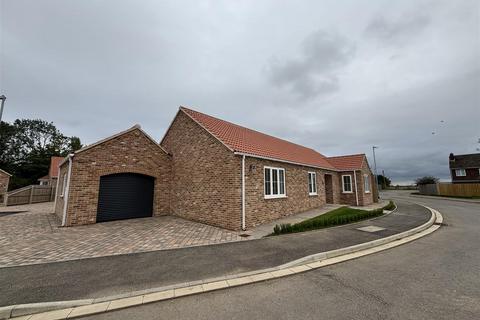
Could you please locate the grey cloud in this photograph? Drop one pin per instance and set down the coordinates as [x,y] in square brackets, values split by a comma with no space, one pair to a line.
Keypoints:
[96,68]
[314,72]
[399,30]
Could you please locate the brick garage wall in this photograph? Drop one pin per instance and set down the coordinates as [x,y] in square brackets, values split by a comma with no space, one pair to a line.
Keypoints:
[206,181]
[131,152]
[260,210]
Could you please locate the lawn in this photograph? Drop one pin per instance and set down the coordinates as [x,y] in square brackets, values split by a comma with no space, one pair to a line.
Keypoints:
[335,217]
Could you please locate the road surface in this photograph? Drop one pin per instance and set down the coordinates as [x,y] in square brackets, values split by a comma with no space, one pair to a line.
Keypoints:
[435,277]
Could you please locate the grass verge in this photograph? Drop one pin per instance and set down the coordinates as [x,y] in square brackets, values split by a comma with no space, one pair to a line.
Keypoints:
[343,215]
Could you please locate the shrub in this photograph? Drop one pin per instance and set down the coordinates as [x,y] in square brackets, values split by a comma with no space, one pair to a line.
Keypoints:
[426,180]
[338,216]
[390,206]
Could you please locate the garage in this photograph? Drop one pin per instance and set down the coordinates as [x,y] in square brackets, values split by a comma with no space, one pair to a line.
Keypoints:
[125,196]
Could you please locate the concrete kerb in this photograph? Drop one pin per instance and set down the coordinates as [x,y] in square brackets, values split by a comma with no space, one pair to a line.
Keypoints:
[78,308]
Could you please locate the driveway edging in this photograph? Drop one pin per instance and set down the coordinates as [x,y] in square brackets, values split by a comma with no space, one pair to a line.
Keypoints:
[79,308]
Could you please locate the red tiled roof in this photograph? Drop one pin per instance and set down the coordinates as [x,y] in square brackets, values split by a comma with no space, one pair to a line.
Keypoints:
[350,162]
[54,162]
[244,140]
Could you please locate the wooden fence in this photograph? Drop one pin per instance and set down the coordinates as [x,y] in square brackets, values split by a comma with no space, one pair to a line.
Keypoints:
[30,194]
[459,189]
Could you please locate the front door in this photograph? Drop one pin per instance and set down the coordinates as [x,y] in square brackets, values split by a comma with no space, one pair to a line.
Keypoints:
[328,188]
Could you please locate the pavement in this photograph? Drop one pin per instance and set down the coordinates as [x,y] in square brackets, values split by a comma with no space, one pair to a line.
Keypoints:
[106,276]
[31,234]
[435,277]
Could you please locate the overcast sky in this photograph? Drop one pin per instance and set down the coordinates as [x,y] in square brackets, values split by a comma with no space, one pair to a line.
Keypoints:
[337,76]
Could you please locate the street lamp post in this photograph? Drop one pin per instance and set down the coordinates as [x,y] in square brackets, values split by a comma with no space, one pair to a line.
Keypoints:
[3,98]
[375,170]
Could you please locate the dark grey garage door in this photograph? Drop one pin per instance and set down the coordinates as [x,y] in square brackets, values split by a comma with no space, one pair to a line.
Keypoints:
[125,196]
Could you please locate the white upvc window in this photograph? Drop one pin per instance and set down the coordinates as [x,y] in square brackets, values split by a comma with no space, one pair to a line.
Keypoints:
[274,181]
[64,184]
[347,183]
[312,183]
[460,173]
[366,183]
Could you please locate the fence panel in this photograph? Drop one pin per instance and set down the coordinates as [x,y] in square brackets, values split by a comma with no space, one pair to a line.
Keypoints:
[428,189]
[30,194]
[459,189]
[41,194]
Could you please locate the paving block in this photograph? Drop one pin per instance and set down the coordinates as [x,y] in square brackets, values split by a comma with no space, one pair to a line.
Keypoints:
[215,285]
[27,317]
[188,290]
[158,296]
[282,273]
[261,276]
[301,268]
[125,303]
[88,309]
[52,315]
[239,281]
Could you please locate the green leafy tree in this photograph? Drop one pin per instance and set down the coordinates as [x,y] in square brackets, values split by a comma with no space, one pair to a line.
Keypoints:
[426,180]
[383,181]
[26,147]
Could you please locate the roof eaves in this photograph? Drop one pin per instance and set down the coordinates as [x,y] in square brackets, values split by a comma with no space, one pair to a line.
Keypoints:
[201,125]
[135,127]
[284,161]
[8,174]
[168,129]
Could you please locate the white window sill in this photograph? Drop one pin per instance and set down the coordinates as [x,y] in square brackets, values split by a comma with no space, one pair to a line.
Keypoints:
[367,191]
[347,191]
[313,194]
[275,196]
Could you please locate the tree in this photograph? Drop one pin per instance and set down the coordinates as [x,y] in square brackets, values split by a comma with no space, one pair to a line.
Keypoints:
[26,147]
[383,181]
[426,180]
[75,144]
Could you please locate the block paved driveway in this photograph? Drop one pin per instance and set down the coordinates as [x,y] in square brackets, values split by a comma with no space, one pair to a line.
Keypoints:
[34,236]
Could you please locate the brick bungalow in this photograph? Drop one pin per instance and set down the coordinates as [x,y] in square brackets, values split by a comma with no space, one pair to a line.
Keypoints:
[206,170]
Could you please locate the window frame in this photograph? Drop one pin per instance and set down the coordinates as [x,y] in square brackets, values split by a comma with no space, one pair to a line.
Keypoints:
[312,182]
[343,183]
[366,181]
[278,183]
[460,175]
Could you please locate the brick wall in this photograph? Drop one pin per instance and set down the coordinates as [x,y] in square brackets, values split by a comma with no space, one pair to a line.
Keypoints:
[260,210]
[206,181]
[364,199]
[131,152]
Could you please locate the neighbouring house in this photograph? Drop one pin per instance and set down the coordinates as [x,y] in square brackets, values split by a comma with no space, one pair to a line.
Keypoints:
[465,168]
[206,170]
[51,178]
[4,181]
